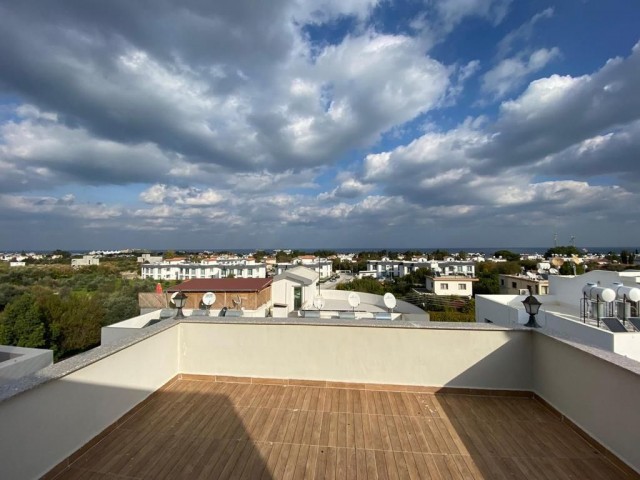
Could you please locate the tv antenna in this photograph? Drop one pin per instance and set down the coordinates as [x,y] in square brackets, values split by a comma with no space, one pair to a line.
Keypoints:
[238,302]
[318,302]
[555,239]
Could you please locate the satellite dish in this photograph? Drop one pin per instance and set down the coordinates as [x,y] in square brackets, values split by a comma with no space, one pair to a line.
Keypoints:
[318,302]
[557,262]
[389,300]
[576,259]
[209,298]
[353,299]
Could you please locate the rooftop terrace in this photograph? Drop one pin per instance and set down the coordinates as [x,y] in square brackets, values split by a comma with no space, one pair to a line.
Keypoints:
[216,398]
[201,428]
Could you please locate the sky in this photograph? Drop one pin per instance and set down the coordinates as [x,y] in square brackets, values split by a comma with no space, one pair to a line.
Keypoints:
[329,123]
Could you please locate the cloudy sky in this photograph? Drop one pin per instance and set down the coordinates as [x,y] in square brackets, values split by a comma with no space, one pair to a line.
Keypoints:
[327,123]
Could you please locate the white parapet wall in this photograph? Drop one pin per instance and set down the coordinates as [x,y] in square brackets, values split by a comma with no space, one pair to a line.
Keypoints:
[599,396]
[455,357]
[47,421]
[44,425]
[506,310]
[17,362]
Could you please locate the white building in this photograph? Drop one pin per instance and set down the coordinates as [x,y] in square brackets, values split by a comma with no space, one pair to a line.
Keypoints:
[293,289]
[85,261]
[323,267]
[400,268]
[148,258]
[519,284]
[589,308]
[451,285]
[187,271]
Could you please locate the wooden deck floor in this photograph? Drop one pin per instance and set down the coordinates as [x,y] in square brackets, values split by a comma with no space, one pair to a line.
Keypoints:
[205,429]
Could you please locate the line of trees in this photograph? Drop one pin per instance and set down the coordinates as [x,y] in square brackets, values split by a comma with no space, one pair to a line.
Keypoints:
[63,309]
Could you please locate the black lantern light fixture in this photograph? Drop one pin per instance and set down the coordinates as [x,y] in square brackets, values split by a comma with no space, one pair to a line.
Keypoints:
[180,300]
[532,306]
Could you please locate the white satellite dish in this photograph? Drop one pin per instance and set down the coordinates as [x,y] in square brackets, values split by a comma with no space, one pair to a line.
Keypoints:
[353,299]
[557,262]
[318,302]
[209,298]
[389,300]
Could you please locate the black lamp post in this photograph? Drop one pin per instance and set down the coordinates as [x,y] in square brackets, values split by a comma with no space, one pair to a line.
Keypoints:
[180,301]
[532,306]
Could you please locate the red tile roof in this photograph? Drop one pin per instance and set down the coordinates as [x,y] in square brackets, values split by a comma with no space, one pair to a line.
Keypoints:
[223,285]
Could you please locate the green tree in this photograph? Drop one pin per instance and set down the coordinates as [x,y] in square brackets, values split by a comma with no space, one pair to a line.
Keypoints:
[507,255]
[259,255]
[563,251]
[23,323]
[567,269]
[439,254]
[626,257]
[366,285]
[118,307]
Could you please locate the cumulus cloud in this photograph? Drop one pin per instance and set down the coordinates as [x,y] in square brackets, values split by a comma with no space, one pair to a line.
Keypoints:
[239,122]
[557,112]
[160,194]
[224,104]
[510,73]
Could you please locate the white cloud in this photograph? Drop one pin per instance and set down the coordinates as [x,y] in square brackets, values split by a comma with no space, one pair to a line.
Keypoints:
[510,73]
[523,33]
[453,12]
[161,194]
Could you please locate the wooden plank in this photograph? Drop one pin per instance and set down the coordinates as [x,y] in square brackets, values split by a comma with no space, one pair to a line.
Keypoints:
[292,462]
[381,465]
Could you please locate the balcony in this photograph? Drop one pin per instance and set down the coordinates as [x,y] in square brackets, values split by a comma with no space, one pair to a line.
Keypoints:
[285,398]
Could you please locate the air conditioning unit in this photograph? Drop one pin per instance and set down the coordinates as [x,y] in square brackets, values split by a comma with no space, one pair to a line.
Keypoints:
[523,291]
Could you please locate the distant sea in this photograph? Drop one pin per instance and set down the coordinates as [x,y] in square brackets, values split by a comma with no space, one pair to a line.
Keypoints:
[483,250]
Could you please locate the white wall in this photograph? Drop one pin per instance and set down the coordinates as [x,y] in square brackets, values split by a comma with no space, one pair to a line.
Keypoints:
[23,362]
[627,344]
[502,310]
[44,425]
[598,396]
[568,289]
[435,357]
[282,292]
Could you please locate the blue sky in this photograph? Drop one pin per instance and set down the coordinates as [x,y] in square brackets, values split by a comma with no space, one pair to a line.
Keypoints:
[333,123]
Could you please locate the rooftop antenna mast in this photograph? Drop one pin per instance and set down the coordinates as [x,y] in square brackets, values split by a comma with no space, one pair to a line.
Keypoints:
[555,239]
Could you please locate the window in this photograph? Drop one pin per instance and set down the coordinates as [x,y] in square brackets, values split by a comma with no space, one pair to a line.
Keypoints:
[502,282]
[444,286]
[514,285]
[462,286]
